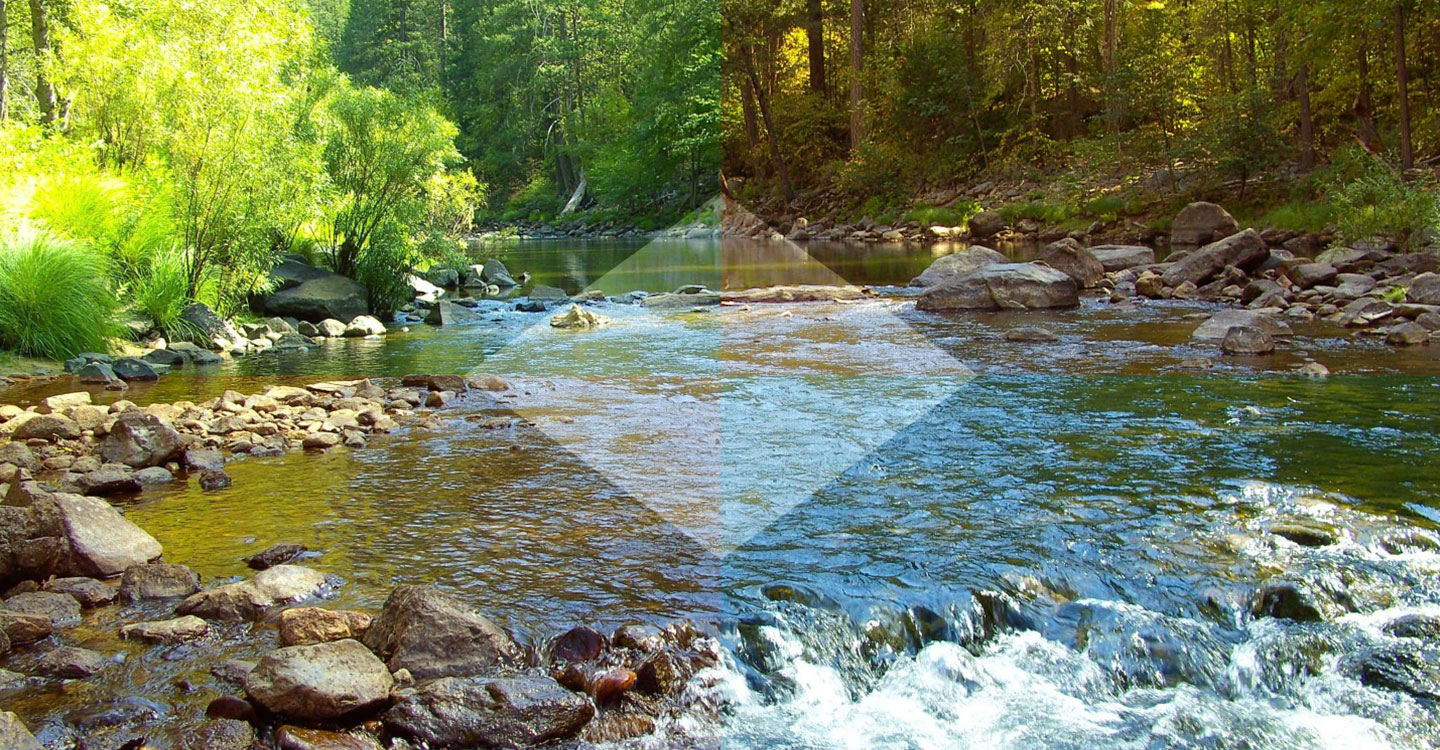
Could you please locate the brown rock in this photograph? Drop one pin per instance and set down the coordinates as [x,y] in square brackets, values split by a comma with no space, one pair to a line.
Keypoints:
[302,626]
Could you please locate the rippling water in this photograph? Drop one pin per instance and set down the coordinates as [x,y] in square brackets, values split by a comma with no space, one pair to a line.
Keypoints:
[908,533]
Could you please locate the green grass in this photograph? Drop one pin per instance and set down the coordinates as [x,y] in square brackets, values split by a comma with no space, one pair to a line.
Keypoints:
[1299,216]
[1043,212]
[160,292]
[54,301]
[949,216]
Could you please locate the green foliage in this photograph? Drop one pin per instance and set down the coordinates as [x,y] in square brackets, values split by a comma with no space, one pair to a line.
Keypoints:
[160,290]
[1300,216]
[537,201]
[1372,199]
[954,215]
[382,267]
[54,300]
[1043,212]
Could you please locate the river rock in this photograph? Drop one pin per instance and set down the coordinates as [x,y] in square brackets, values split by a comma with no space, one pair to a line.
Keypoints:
[432,635]
[108,481]
[986,224]
[685,298]
[578,644]
[640,637]
[278,554]
[166,357]
[206,326]
[447,313]
[48,427]
[158,581]
[154,475]
[219,734]
[22,627]
[797,293]
[1031,335]
[662,673]
[248,600]
[330,296]
[1408,334]
[578,318]
[14,735]
[19,454]
[133,370]
[178,630]
[1425,289]
[364,325]
[87,591]
[319,441]
[1424,627]
[320,682]
[1116,258]
[1408,669]
[452,383]
[957,264]
[1312,274]
[493,713]
[98,373]
[63,610]
[495,272]
[212,480]
[304,626]
[1004,286]
[103,543]
[1201,223]
[1247,341]
[1244,251]
[300,738]
[140,439]
[1215,328]
[1290,601]
[1070,258]
[71,663]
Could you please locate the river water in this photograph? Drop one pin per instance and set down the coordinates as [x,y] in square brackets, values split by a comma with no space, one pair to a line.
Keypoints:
[907,532]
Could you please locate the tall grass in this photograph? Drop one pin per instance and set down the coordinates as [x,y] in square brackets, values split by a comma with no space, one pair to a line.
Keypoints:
[54,301]
[160,293]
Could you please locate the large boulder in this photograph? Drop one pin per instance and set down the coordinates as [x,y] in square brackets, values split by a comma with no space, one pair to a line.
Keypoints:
[1425,289]
[102,543]
[986,224]
[320,682]
[140,439]
[1217,326]
[248,600]
[1004,286]
[447,313]
[1244,250]
[959,263]
[1307,275]
[293,272]
[1202,223]
[1116,258]
[364,325]
[495,272]
[320,298]
[490,713]
[1070,258]
[207,327]
[432,635]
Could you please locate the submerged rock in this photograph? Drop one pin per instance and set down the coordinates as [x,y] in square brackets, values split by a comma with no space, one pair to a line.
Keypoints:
[248,600]
[324,681]
[431,635]
[1217,326]
[276,555]
[1004,286]
[1425,627]
[158,581]
[71,663]
[178,630]
[484,712]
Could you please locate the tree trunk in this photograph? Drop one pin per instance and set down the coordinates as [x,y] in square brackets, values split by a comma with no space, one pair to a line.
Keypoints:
[1402,81]
[1364,107]
[857,66]
[4,62]
[815,34]
[1307,119]
[764,101]
[40,32]
[1227,53]
[1110,59]
[747,108]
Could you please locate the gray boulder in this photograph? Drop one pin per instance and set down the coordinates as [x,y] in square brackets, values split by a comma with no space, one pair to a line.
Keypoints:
[986,224]
[102,543]
[1217,326]
[140,439]
[1247,341]
[1004,286]
[158,581]
[432,635]
[327,296]
[1425,289]
[1201,223]
[62,610]
[491,713]
[1307,275]
[1244,250]
[71,663]
[133,370]
[320,682]
[1070,258]
[495,272]
[959,263]
[49,427]
[1115,258]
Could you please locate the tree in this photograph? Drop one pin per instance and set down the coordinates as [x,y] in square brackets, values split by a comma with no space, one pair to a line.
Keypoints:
[40,35]
[815,39]
[857,70]
[4,62]
[1402,85]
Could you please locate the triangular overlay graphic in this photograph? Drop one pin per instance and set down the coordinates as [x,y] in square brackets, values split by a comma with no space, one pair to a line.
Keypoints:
[723,418]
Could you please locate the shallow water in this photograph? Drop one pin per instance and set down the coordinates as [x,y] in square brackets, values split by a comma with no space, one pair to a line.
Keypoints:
[842,493]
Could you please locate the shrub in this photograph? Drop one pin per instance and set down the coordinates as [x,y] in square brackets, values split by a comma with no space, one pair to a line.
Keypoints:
[382,269]
[1372,199]
[954,215]
[160,292]
[54,301]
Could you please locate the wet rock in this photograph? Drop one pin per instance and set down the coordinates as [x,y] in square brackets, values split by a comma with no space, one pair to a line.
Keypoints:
[154,475]
[1200,223]
[1290,601]
[103,543]
[1408,334]
[662,674]
[232,671]
[277,555]
[1115,258]
[98,373]
[14,735]
[578,644]
[20,627]
[453,383]
[1304,535]
[1425,289]
[230,707]
[1031,335]
[796,293]
[133,370]
[1424,627]
[166,357]
[1247,341]
[62,610]
[1215,328]
[304,626]
[299,738]
[480,712]
[178,630]
[609,686]
[681,300]
[447,313]
[1406,669]
[1070,258]
[324,681]
[645,638]
[364,325]
[139,439]
[107,482]
[248,600]
[1315,370]
[330,328]
[495,272]
[958,264]
[214,479]
[432,635]
[88,591]
[986,224]
[319,441]
[1004,286]
[48,427]
[1244,251]
[219,734]
[158,581]
[71,663]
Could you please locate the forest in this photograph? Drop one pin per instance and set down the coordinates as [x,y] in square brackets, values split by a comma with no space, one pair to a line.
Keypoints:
[1306,110]
[165,152]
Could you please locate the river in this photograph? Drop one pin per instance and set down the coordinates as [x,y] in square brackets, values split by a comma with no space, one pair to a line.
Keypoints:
[907,532]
